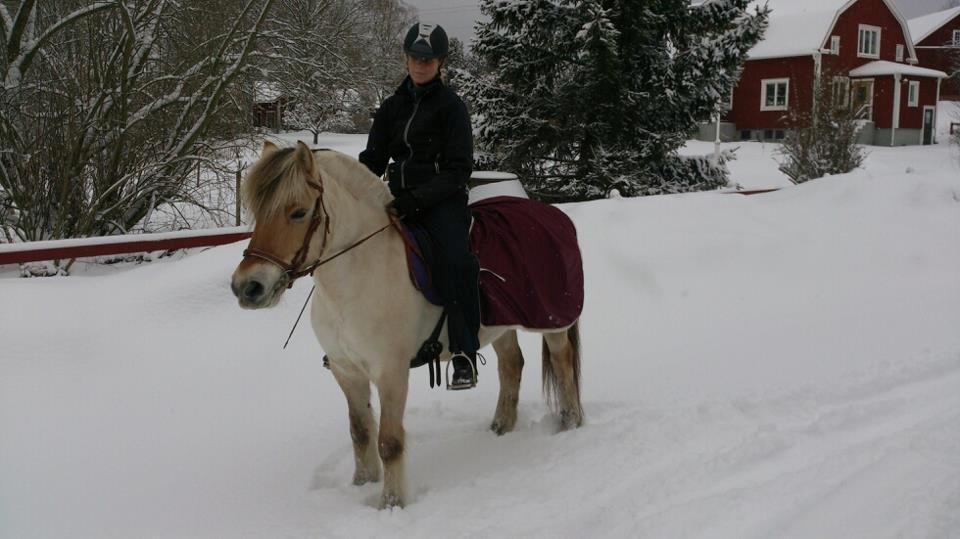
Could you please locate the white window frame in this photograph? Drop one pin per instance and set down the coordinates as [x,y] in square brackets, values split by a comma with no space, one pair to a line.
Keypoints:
[913,94]
[835,45]
[899,53]
[763,94]
[863,30]
[956,38]
[840,92]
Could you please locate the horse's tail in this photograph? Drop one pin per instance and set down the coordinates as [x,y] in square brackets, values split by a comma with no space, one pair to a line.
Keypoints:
[558,398]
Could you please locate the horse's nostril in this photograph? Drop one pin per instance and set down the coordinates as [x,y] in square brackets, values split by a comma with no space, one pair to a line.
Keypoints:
[253,290]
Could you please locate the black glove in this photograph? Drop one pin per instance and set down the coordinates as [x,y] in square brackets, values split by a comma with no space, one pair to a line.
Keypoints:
[405,206]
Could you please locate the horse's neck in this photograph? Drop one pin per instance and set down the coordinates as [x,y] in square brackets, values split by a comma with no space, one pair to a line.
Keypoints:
[356,213]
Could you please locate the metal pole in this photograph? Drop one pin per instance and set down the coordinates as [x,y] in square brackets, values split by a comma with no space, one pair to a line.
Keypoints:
[716,141]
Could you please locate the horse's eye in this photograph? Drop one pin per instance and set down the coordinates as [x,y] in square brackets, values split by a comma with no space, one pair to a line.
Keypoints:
[298,214]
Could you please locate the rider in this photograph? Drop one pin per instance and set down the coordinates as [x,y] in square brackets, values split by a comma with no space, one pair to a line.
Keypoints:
[424,127]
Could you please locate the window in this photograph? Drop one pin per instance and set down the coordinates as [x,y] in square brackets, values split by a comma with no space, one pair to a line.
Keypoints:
[835,45]
[726,100]
[775,94]
[841,92]
[899,53]
[913,94]
[744,134]
[868,45]
[956,38]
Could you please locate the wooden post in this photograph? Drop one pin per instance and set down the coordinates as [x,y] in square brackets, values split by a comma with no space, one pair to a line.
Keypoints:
[237,194]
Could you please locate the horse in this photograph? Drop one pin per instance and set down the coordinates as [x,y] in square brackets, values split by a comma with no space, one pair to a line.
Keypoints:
[370,320]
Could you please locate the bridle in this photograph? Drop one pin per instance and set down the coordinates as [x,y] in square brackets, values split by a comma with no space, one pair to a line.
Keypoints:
[291,270]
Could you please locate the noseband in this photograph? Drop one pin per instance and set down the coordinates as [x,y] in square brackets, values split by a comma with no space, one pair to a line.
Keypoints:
[290,270]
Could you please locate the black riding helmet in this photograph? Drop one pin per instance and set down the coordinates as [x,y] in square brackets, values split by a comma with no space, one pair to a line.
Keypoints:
[426,41]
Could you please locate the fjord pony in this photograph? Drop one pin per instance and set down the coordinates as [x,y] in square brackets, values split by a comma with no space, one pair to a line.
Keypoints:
[367,315]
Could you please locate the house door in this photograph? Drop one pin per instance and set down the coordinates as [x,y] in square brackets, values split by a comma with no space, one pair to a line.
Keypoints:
[928,125]
[862,98]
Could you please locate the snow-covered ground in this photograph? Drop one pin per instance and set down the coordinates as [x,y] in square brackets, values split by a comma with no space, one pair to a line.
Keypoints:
[782,365]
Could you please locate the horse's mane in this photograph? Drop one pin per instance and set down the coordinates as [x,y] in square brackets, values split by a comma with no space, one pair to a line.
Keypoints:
[278,180]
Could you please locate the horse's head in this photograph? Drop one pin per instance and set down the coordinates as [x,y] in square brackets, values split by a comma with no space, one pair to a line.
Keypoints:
[284,191]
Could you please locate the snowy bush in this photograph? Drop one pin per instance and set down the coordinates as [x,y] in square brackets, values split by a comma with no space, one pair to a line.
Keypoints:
[824,141]
[586,96]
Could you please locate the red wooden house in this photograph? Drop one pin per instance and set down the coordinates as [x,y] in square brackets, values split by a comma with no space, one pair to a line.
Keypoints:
[937,40]
[861,48]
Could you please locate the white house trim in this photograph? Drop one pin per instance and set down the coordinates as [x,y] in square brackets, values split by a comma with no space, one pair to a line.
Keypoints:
[913,90]
[763,95]
[862,30]
[912,59]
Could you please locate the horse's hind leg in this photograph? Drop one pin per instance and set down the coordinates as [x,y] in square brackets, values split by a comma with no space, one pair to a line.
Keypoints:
[561,375]
[363,429]
[510,365]
[392,387]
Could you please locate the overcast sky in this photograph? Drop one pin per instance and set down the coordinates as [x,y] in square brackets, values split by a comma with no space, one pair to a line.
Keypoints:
[457,16]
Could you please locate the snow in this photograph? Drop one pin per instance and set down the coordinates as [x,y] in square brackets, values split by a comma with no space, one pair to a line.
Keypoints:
[798,33]
[884,67]
[922,27]
[800,28]
[113,240]
[266,92]
[781,365]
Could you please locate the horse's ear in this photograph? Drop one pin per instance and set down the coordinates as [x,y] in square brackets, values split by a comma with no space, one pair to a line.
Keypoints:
[304,156]
[268,149]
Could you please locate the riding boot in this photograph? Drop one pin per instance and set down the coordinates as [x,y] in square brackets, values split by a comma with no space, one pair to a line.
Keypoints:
[464,371]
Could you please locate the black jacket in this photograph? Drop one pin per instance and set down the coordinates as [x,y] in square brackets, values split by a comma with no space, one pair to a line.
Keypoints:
[429,139]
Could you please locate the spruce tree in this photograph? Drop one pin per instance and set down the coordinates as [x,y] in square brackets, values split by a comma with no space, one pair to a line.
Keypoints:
[587,96]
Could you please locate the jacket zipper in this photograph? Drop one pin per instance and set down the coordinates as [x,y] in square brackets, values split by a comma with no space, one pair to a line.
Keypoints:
[406,131]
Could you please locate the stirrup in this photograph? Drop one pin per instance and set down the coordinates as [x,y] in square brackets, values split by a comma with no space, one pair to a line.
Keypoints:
[473,368]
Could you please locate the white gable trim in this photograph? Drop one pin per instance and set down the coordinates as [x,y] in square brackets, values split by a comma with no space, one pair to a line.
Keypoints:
[912,59]
[947,19]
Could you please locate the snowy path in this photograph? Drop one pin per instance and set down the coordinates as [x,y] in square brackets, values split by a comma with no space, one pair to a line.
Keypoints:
[786,365]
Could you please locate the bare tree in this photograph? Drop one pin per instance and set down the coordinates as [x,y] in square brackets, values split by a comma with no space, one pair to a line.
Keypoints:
[107,108]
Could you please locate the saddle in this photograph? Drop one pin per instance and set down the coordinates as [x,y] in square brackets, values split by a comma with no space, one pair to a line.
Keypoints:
[531,272]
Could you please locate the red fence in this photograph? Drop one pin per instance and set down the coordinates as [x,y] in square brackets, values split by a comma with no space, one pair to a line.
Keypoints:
[19,253]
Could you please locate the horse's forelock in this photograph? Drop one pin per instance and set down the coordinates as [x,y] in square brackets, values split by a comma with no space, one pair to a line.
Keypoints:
[269,187]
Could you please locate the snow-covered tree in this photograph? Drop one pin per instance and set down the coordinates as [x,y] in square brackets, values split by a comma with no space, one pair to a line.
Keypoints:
[108,107]
[587,96]
[324,56]
[330,111]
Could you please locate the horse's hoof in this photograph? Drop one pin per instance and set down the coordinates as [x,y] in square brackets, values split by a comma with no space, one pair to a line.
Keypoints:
[363,479]
[500,427]
[389,501]
[570,420]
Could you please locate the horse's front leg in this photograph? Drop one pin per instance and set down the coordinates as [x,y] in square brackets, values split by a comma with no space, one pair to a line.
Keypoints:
[392,387]
[363,429]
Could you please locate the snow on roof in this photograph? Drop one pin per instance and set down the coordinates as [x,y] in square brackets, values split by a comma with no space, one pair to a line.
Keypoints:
[796,28]
[922,27]
[266,92]
[800,27]
[883,67]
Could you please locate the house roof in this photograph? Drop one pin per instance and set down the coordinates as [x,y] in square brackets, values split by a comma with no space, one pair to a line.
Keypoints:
[881,68]
[922,27]
[266,92]
[801,28]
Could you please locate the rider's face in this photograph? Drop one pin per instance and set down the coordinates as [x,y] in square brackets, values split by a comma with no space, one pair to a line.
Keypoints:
[422,71]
